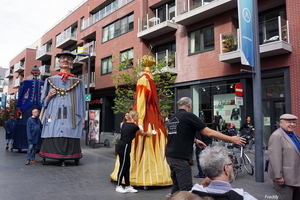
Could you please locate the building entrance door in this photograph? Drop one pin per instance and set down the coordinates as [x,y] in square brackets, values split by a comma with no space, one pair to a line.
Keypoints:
[271,110]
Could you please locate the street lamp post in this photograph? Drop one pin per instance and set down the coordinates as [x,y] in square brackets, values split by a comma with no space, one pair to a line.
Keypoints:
[87,92]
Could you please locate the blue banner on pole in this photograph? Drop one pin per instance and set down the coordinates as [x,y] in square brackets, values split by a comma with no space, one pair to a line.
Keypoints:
[246,18]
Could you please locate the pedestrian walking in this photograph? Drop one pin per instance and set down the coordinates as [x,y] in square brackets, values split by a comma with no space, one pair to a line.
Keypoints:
[10,127]
[181,137]
[34,127]
[284,159]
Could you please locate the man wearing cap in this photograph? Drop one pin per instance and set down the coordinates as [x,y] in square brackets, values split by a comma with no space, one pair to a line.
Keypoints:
[63,99]
[284,159]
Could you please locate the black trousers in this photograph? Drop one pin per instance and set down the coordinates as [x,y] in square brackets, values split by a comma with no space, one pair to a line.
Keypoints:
[123,151]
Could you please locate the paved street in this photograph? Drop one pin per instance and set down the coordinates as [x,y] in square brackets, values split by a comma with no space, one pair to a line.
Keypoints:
[89,180]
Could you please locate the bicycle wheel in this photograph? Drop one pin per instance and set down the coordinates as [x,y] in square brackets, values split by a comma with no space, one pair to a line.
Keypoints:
[234,165]
[247,164]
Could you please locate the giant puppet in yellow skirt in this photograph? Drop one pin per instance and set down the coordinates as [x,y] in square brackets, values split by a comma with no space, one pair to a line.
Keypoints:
[148,162]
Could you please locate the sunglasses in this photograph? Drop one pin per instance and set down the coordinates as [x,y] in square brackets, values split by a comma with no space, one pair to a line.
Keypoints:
[70,58]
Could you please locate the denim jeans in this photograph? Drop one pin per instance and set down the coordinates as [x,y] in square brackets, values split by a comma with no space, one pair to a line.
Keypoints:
[197,153]
[31,152]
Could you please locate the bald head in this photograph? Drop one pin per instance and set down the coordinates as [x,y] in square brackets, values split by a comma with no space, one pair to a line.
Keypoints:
[35,113]
[185,103]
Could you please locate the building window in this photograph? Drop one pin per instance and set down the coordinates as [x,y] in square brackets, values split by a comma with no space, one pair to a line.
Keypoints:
[127,58]
[106,65]
[118,28]
[201,40]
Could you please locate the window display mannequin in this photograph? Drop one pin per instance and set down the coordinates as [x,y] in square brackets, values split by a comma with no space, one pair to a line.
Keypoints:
[216,122]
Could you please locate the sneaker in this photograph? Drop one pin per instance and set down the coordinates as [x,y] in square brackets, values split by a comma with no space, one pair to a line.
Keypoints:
[120,189]
[11,149]
[6,148]
[168,195]
[27,163]
[130,189]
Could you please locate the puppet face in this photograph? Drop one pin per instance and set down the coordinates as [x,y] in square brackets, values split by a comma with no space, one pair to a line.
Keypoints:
[35,72]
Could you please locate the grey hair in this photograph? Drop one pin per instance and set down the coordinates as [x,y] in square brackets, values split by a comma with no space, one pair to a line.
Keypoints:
[184,101]
[212,161]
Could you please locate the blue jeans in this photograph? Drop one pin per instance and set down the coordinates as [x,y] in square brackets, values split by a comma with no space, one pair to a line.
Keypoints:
[197,153]
[31,152]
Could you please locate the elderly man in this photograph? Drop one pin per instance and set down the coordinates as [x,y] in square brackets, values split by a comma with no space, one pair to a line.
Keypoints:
[284,157]
[181,137]
[217,166]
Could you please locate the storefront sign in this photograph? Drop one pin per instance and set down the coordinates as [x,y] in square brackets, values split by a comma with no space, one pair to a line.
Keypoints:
[238,101]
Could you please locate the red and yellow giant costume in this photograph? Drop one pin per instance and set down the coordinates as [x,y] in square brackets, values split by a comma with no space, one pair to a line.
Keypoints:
[148,162]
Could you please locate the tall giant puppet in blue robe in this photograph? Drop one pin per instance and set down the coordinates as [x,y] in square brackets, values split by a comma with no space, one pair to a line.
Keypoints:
[63,99]
[29,98]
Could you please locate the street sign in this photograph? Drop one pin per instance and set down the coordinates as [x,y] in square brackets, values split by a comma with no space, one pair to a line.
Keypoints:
[238,89]
[88,97]
[238,101]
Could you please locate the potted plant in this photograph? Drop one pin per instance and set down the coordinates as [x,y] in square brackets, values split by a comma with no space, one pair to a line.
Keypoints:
[229,43]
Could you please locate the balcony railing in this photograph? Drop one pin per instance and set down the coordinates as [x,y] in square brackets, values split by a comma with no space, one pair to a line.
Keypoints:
[45,70]
[276,29]
[44,53]
[18,81]
[66,38]
[193,11]
[107,10]
[273,37]
[188,5]
[84,78]
[169,61]
[9,73]
[153,24]
[19,67]
[88,48]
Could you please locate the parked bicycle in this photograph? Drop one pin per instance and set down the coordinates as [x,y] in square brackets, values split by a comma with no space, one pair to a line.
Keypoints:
[243,160]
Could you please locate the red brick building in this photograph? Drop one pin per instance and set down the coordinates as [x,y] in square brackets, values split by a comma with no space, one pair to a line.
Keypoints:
[204,37]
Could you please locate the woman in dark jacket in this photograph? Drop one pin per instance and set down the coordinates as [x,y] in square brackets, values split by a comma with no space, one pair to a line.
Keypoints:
[249,128]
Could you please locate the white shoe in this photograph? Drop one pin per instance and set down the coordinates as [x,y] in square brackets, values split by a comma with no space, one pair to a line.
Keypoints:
[130,189]
[120,189]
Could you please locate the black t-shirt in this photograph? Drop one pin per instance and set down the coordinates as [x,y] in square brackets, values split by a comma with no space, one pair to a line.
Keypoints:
[128,132]
[182,128]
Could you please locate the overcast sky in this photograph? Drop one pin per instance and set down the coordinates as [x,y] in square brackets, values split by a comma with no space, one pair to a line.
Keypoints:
[22,22]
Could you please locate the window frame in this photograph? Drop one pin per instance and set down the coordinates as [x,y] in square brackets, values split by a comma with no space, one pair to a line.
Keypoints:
[107,60]
[199,45]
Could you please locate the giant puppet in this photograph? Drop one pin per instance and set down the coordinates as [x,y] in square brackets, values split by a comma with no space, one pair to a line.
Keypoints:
[148,163]
[29,98]
[64,113]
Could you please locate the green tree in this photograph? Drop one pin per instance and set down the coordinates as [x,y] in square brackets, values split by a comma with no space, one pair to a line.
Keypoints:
[11,108]
[126,80]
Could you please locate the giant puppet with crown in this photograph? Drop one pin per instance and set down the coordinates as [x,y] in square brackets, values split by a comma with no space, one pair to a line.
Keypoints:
[148,162]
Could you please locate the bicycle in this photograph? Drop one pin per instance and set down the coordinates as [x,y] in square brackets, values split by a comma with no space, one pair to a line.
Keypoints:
[243,161]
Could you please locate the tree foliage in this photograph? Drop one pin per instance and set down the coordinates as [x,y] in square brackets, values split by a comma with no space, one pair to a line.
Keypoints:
[126,80]
[11,108]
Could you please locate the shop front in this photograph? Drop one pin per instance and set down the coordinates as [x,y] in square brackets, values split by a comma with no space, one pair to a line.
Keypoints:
[214,100]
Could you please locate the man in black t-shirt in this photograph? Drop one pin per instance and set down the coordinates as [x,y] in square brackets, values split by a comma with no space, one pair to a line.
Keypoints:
[181,137]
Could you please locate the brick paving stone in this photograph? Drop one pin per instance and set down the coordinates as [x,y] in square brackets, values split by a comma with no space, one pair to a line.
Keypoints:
[89,180]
